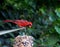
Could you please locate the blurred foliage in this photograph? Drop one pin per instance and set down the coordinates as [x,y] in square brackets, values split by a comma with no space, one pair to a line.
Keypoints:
[45,16]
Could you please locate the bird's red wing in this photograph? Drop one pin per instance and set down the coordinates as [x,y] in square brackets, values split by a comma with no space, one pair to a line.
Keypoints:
[21,23]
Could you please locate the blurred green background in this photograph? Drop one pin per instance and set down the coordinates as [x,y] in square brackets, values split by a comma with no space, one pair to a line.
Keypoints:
[44,14]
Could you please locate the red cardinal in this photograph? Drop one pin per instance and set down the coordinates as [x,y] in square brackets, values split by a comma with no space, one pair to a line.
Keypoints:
[20,23]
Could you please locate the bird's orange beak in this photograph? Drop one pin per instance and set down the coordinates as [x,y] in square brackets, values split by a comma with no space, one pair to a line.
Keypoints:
[30,26]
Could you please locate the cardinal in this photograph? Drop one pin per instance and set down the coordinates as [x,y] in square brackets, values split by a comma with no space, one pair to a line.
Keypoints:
[20,23]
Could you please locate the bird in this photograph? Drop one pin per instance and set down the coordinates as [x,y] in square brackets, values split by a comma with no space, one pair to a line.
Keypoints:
[20,23]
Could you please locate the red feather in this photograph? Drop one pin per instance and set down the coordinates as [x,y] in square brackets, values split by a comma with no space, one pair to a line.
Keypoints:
[20,23]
